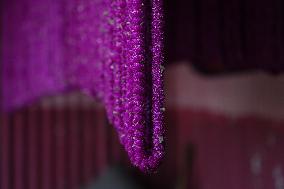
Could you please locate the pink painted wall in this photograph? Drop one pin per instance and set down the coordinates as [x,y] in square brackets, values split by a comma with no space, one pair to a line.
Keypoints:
[235,95]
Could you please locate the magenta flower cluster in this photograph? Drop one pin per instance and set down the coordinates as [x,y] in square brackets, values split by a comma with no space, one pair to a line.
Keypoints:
[133,71]
[109,49]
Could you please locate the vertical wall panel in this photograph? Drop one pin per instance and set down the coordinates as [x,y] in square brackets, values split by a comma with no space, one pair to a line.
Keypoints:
[89,145]
[46,150]
[101,142]
[60,148]
[33,148]
[6,146]
[19,149]
[73,148]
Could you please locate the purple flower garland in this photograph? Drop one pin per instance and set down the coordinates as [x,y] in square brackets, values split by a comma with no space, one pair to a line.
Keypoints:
[134,86]
[109,49]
